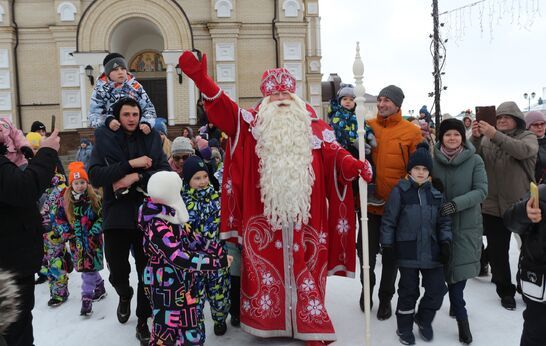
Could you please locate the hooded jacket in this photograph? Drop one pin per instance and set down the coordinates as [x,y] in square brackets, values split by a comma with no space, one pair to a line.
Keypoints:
[509,159]
[106,93]
[14,140]
[396,140]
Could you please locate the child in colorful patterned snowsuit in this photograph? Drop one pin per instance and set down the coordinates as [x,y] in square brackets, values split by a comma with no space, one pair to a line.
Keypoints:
[56,264]
[79,219]
[203,206]
[175,258]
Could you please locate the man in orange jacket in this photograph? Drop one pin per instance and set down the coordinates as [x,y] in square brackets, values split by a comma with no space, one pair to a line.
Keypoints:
[396,139]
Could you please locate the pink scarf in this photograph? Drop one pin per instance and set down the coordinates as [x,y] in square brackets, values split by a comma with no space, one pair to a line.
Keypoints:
[450,153]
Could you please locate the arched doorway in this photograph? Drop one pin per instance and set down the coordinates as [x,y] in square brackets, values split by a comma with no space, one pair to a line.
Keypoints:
[141,42]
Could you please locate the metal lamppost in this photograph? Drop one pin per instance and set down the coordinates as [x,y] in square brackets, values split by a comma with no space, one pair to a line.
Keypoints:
[529,97]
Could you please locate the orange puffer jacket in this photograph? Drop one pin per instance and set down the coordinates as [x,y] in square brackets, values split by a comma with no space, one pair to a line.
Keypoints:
[396,139]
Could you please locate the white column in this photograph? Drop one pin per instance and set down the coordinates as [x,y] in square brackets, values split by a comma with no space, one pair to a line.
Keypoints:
[170,93]
[193,102]
[83,95]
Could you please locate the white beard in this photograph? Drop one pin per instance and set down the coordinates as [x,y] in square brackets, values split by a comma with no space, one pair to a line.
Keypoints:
[284,146]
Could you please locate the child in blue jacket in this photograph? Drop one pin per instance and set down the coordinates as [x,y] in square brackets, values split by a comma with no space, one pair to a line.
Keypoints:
[420,237]
[203,205]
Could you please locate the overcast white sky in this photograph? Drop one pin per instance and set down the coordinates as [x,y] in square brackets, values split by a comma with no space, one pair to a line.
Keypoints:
[500,64]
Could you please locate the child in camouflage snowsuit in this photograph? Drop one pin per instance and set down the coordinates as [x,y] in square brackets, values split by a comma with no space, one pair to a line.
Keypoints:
[203,205]
[56,261]
[176,258]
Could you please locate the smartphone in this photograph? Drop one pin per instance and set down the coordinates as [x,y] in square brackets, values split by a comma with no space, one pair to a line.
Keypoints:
[487,114]
[53,123]
[534,194]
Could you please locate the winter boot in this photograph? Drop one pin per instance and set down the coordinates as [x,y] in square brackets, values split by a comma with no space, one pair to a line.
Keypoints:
[361,302]
[508,302]
[142,332]
[384,312]
[100,292]
[40,279]
[406,338]
[220,328]
[56,301]
[464,332]
[87,306]
[124,307]
[425,329]
[375,201]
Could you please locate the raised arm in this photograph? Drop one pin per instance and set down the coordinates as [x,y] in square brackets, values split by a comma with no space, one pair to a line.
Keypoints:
[222,111]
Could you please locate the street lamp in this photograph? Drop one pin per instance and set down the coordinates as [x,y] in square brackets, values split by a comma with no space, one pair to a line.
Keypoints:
[529,97]
[89,73]
[179,73]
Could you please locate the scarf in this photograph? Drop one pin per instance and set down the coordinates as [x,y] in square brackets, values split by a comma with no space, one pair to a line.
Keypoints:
[451,153]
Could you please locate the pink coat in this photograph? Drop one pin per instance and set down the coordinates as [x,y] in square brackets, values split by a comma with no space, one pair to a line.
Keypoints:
[14,139]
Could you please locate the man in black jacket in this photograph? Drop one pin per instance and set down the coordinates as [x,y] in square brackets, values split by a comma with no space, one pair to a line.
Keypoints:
[21,244]
[121,163]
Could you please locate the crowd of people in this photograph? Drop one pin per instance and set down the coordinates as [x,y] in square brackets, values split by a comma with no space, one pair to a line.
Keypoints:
[256,210]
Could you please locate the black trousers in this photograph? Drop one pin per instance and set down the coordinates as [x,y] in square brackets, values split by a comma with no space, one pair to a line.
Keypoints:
[20,333]
[389,270]
[534,322]
[117,245]
[235,295]
[498,246]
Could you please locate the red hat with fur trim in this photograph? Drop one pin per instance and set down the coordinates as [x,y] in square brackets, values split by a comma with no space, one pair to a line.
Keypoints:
[277,80]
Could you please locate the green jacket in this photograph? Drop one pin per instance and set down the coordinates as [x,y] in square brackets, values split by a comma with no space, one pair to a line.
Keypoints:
[465,183]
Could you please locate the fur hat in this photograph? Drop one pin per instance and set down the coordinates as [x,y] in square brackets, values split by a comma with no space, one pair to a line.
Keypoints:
[393,93]
[534,117]
[191,166]
[164,188]
[511,108]
[36,126]
[421,157]
[451,124]
[76,170]
[276,80]
[34,138]
[9,302]
[182,145]
[347,90]
[116,60]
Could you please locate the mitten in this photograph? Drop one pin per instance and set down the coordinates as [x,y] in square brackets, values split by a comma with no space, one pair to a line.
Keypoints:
[445,252]
[448,208]
[367,148]
[365,170]
[370,138]
[27,152]
[197,71]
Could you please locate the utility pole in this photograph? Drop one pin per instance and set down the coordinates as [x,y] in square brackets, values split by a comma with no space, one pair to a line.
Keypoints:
[436,59]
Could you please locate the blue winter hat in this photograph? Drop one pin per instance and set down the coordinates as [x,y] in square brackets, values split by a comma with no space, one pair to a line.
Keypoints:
[421,157]
[161,125]
[424,110]
[191,166]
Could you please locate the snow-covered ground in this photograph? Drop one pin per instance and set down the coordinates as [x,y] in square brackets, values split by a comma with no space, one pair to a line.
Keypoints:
[490,323]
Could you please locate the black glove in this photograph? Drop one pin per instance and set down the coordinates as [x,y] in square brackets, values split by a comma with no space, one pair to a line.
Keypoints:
[3,149]
[448,208]
[445,252]
[27,152]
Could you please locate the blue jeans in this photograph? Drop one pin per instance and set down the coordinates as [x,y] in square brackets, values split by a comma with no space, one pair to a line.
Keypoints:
[456,299]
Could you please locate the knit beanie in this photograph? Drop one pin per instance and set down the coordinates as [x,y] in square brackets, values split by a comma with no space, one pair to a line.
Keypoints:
[202,143]
[34,138]
[424,110]
[164,188]
[76,170]
[421,157]
[206,153]
[161,125]
[36,126]
[214,143]
[182,145]
[511,108]
[344,92]
[113,63]
[451,124]
[534,117]
[393,93]
[191,166]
